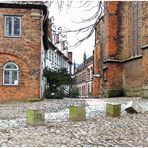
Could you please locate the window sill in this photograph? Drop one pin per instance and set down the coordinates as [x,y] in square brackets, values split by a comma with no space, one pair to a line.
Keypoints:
[12,36]
[10,85]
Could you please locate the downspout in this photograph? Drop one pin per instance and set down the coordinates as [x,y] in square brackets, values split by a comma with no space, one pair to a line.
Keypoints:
[41,59]
[44,46]
[103,94]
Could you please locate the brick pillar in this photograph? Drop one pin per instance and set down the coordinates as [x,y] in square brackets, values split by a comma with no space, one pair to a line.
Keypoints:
[114,69]
[112,28]
[96,79]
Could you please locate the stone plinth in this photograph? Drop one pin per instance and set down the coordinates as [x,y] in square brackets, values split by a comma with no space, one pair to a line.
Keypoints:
[113,109]
[35,117]
[77,113]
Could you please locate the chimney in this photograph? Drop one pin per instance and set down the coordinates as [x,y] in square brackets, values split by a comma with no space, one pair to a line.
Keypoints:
[49,28]
[63,45]
[70,56]
[57,38]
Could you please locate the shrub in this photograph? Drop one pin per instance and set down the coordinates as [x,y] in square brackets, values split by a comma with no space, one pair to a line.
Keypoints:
[74,92]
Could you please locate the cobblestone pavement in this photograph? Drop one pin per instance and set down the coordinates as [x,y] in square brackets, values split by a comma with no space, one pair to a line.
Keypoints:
[97,131]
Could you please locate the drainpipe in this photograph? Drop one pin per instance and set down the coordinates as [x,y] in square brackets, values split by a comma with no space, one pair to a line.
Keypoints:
[41,59]
[103,93]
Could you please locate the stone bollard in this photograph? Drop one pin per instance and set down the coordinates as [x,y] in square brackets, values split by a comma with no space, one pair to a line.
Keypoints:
[35,117]
[77,113]
[113,109]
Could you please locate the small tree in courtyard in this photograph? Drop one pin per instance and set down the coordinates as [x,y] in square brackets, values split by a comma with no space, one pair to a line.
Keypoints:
[56,79]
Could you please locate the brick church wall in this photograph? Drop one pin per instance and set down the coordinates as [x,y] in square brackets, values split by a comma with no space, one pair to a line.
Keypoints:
[126,71]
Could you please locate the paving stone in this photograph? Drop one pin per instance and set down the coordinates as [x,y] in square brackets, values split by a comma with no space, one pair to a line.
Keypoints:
[129,130]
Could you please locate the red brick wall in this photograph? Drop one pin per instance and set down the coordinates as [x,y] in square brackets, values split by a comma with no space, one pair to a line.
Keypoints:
[96,71]
[124,75]
[135,70]
[133,77]
[144,23]
[112,28]
[114,78]
[145,67]
[125,30]
[25,52]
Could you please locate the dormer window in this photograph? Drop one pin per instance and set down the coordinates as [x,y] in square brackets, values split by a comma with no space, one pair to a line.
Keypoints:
[12,26]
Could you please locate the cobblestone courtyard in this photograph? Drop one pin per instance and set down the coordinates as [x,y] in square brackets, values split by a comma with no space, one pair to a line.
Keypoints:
[98,130]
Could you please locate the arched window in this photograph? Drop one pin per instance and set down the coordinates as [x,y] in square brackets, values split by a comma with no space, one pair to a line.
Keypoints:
[10,74]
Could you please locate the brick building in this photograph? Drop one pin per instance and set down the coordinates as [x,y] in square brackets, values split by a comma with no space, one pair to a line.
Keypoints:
[23,44]
[83,75]
[121,50]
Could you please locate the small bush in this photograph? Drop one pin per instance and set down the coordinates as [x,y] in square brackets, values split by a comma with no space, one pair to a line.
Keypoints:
[74,92]
[58,94]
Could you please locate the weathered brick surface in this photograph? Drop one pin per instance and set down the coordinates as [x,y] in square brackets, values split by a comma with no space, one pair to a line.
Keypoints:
[124,26]
[144,23]
[96,87]
[112,25]
[127,66]
[114,79]
[133,77]
[25,52]
[96,80]
[133,70]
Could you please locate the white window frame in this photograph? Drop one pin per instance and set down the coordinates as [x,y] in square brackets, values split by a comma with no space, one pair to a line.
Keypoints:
[10,73]
[12,27]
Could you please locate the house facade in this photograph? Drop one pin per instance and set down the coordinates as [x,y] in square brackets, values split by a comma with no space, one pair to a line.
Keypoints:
[120,55]
[24,42]
[83,76]
[57,55]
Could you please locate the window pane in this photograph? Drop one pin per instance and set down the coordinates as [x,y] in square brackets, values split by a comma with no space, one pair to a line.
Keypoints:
[14,78]
[49,54]
[16,26]
[6,77]
[8,26]
[10,66]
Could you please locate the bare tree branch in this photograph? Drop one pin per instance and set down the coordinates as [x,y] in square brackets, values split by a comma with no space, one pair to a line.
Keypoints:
[89,23]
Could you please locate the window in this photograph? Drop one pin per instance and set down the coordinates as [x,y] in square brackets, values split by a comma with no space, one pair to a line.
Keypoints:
[52,58]
[10,74]
[49,54]
[12,26]
[135,28]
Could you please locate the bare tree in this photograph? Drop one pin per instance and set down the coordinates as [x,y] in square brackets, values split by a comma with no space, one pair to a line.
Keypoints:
[92,20]
[89,23]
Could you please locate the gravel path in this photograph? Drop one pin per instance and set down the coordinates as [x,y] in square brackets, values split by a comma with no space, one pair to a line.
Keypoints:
[98,130]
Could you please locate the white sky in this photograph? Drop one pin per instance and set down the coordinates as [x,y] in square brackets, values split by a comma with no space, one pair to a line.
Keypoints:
[65,18]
